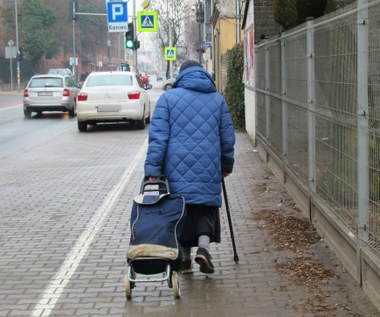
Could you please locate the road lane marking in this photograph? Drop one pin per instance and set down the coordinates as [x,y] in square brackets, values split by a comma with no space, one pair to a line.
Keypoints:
[55,289]
[15,105]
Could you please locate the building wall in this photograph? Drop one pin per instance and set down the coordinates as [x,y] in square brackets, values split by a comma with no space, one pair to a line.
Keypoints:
[224,33]
[265,26]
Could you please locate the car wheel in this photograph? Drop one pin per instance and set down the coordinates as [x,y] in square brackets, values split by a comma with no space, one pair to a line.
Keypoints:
[141,123]
[168,86]
[82,126]
[73,111]
[147,119]
[27,112]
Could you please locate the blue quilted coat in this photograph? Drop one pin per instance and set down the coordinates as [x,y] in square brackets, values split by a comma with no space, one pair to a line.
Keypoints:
[191,138]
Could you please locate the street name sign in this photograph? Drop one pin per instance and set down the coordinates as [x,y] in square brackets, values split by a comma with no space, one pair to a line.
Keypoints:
[147,21]
[73,61]
[10,52]
[117,15]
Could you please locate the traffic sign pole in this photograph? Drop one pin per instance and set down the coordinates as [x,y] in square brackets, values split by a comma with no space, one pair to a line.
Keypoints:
[117,14]
[18,50]
[135,36]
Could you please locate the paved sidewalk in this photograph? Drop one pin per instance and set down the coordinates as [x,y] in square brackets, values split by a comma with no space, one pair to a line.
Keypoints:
[266,282]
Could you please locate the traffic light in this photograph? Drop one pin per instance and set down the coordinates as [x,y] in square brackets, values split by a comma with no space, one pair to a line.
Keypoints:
[200,13]
[73,8]
[20,54]
[130,41]
[130,37]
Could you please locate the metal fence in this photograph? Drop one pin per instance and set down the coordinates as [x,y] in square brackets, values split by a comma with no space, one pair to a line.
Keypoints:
[318,109]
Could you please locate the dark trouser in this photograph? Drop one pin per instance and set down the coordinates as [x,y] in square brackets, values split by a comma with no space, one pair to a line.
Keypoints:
[200,220]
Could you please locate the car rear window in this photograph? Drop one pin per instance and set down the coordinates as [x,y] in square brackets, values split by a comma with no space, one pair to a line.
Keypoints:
[109,80]
[45,82]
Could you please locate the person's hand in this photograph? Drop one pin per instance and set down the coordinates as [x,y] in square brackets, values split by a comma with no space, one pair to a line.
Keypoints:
[225,174]
[153,178]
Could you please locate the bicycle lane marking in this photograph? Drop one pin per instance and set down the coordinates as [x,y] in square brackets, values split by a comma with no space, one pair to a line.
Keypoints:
[53,292]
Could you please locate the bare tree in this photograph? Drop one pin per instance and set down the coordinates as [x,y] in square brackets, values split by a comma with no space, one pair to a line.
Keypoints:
[173,17]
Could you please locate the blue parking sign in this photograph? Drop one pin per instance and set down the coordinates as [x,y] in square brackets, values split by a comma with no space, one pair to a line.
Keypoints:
[117,15]
[117,12]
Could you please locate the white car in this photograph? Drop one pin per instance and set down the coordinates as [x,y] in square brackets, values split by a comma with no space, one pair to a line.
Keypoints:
[168,83]
[113,97]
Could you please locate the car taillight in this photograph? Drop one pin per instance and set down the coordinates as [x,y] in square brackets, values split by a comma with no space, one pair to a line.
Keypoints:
[26,93]
[82,97]
[66,92]
[134,95]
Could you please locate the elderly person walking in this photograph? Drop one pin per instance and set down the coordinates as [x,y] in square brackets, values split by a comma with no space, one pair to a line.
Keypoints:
[191,142]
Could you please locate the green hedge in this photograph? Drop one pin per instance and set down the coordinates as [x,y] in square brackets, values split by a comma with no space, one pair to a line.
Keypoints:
[234,92]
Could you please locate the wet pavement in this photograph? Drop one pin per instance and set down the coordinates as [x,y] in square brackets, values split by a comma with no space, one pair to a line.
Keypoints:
[92,285]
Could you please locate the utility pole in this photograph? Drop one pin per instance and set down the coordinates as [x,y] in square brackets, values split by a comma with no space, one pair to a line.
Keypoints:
[238,38]
[170,37]
[200,19]
[18,50]
[134,36]
[74,48]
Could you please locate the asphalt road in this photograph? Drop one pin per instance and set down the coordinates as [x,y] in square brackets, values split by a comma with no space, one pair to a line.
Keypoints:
[18,132]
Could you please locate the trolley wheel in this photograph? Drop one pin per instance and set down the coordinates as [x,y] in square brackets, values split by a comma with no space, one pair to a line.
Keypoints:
[128,287]
[175,284]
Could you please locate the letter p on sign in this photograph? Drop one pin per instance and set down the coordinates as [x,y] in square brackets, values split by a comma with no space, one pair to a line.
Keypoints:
[117,10]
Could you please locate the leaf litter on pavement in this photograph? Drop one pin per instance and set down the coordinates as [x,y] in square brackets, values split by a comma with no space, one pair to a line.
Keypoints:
[295,236]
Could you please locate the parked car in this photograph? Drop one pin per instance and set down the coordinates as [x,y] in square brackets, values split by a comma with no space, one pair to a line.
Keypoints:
[113,97]
[161,76]
[50,93]
[168,84]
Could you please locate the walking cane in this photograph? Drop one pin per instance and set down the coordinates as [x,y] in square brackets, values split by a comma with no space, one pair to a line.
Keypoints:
[236,257]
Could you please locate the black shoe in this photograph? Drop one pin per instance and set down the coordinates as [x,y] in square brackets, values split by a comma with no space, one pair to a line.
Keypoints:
[185,267]
[203,258]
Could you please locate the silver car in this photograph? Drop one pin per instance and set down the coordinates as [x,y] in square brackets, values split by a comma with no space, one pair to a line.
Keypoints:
[113,97]
[168,84]
[50,93]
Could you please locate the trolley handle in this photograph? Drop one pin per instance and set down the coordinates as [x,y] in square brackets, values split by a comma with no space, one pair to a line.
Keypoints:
[162,185]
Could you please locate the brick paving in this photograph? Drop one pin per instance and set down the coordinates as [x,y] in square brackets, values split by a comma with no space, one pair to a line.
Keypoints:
[52,192]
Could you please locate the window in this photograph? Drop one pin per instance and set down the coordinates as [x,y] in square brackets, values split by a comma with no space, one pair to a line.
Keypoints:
[109,80]
[46,82]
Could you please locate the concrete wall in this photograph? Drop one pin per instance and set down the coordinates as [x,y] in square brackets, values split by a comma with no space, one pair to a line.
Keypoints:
[250,113]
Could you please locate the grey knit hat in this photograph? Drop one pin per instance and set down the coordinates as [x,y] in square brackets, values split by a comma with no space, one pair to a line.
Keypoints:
[188,64]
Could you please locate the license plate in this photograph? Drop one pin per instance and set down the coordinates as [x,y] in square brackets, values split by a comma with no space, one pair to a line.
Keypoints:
[109,108]
[45,93]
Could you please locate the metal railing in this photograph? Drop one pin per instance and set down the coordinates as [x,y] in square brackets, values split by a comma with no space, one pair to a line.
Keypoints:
[318,110]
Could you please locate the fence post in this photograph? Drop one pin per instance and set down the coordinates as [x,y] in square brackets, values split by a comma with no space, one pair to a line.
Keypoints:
[311,103]
[284,104]
[267,91]
[362,117]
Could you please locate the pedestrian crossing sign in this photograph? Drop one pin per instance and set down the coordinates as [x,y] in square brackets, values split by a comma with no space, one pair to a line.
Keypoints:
[170,53]
[147,21]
